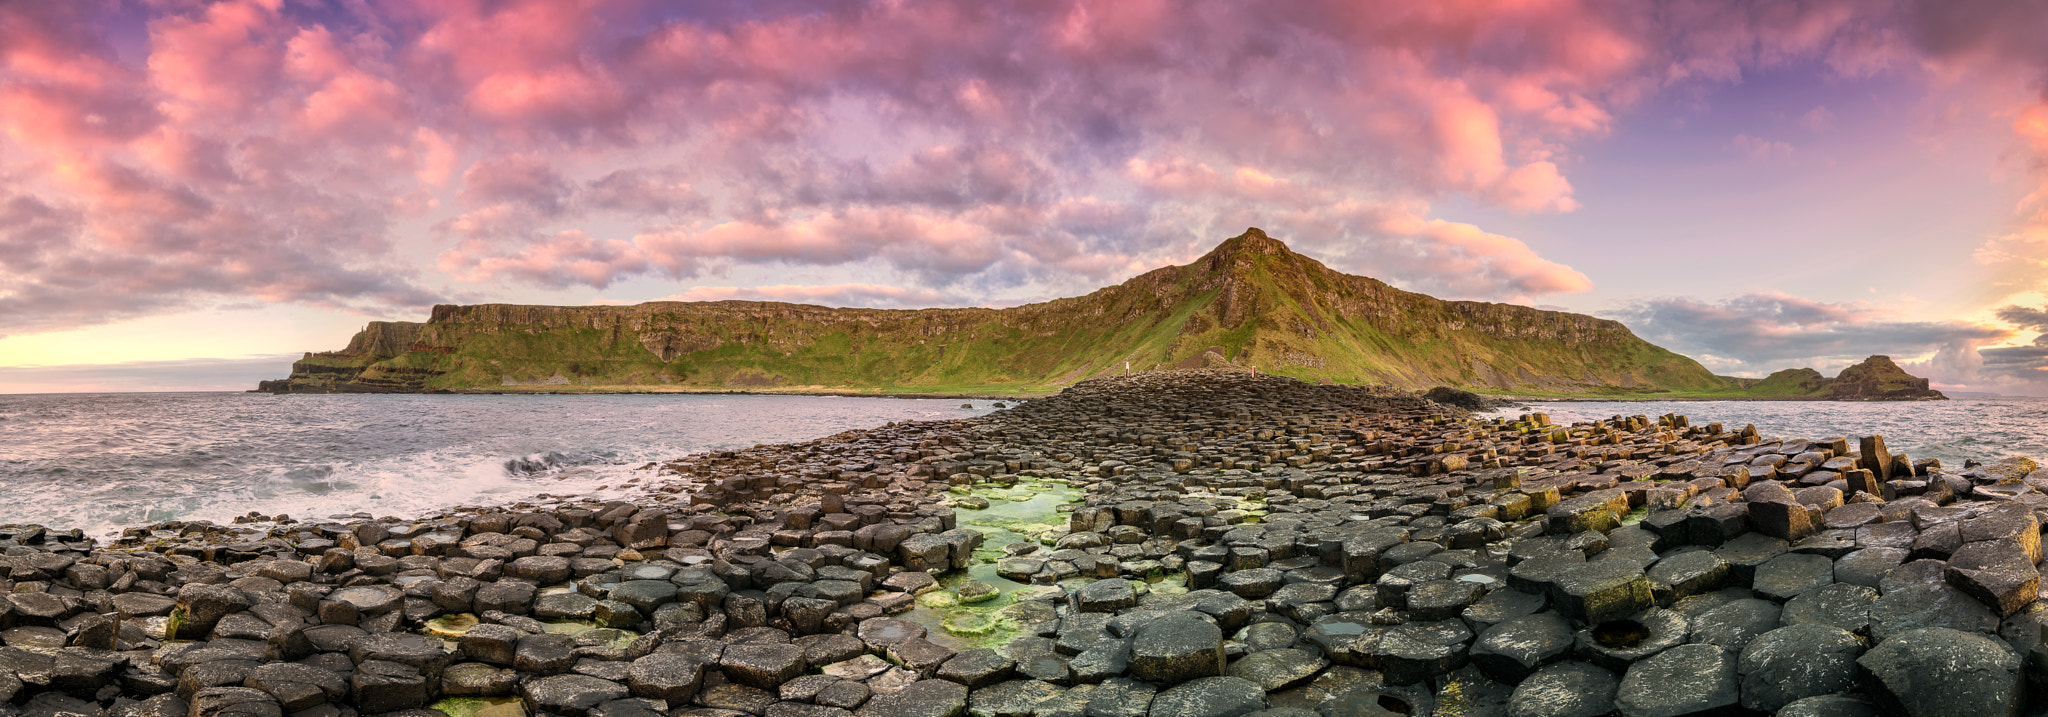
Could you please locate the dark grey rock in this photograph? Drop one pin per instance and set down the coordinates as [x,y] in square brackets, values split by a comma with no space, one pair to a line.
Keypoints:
[671,676]
[1840,605]
[1209,697]
[1830,706]
[1731,626]
[1928,605]
[1275,670]
[1787,575]
[1616,644]
[1565,689]
[221,702]
[572,695]
[923,698]
[761,666]
[1015,698]
[1684,680]
[1939,671]
[1687,574]
[1996,572]
[1867,567]
[1796,662]
[1512,650]
[1175,649]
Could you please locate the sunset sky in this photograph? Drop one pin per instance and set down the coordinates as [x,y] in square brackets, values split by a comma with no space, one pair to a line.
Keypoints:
[192,193]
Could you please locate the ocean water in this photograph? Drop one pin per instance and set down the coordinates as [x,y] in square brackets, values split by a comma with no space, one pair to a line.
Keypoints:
[1984,429]
[103,462]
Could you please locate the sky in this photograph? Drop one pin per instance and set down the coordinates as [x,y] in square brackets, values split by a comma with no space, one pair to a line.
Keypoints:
[192,193]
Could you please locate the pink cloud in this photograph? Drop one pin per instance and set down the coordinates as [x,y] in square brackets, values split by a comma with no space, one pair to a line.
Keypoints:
[860,295]
[288,152]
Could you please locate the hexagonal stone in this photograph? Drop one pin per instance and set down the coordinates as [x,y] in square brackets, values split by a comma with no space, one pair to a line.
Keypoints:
[1732,625]
[540,569]
[379,686]
[1418,651]
[564,606]
[1601,590]
[1177,648]
[1787,575]
[1108,595]
[1442,599]
[1684,680]
[1253,584]
[1830,706]
[1513,650]
[1747,551]
[644,595]
[977,668]
[1840,605]
[1867,567]
[1016,698]
[210,702]
[573,695]
[1210,697]
[1795,662]
[761,666]
[1617,643]
[1997,573]
[476,679]
[1565,689]
[297,686]
[545,654]
[1686,574]
[1926,605]
[671,676]
[1275,670]
[923,698]
[1939,671]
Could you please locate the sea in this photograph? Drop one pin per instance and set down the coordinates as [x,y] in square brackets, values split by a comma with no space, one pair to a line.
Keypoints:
[103,462]
[1954,431]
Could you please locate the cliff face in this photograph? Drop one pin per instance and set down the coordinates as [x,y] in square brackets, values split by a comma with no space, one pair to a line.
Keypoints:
[1878,379]
[1249,302]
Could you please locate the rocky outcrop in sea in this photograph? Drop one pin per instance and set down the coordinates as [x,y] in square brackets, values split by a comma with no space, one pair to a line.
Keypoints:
[1184,543]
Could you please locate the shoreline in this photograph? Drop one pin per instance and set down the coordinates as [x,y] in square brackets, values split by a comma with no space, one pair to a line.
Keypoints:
[1212,505]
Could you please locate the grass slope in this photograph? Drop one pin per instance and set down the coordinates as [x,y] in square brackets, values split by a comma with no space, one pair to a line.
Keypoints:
[1250,302]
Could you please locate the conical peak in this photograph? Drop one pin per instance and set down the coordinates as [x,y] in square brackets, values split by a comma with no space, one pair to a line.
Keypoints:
[1252,242]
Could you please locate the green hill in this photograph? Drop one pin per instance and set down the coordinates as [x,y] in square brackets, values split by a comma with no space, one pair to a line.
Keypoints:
[1250,302]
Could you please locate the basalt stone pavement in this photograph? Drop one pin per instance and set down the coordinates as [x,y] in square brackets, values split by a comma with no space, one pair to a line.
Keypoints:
[1244,546]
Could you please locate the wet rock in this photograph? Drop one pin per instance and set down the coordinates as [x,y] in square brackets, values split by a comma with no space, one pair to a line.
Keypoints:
[380,686]
[1998,573]
[1840,605]
[761,666]
[1175,649]
[572,695]
[671,676]
[1796,662]
[1732,625]
[1279,669]
[1209,697]
[1016,698]
[1565,689]
[1616,644]
[1939,671]
[222,702]
[297,687]
[1925,605]
[1601,591]
[977,668]
[1687,574]
[1684,680]
[923,698]
[1830,706]
[1787,575]
[1513,650]
[1867,567]
[1106,596]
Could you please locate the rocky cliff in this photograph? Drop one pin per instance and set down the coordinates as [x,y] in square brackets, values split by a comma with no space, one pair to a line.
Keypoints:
[1250,302]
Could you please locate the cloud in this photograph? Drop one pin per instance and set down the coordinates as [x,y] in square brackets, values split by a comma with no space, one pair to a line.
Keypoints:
[857,295]
[1757,333]
[1758,148]
[224,374]
[290,152]
[1818,119]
